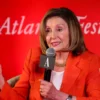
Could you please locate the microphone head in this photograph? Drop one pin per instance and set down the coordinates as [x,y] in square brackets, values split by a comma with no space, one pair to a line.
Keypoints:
[50,52]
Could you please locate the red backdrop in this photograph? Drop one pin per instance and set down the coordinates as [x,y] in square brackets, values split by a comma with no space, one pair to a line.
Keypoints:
[19,28]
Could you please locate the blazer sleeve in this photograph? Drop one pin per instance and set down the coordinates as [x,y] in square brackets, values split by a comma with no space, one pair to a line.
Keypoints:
[21,89]
[93,81]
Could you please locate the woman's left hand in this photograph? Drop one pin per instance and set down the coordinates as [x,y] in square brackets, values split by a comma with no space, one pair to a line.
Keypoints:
[47,90]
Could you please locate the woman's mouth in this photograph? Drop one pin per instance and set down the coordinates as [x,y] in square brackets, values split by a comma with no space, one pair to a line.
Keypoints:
[54,44]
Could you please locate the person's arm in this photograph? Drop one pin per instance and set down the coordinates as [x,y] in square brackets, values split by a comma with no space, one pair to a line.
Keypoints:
[64,96]
[21,89]
[2,80]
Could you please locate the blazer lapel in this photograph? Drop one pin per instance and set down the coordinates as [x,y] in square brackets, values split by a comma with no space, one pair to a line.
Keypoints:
[71,73]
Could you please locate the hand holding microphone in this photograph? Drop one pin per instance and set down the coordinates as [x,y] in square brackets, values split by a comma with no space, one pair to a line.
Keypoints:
[47,62]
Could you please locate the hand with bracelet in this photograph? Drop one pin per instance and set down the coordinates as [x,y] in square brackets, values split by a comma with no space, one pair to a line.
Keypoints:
[49,92]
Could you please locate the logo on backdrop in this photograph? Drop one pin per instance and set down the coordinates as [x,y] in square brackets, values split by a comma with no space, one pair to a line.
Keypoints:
[89,27]
[19,28]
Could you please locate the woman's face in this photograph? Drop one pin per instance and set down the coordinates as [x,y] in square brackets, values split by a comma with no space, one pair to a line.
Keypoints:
[57,34]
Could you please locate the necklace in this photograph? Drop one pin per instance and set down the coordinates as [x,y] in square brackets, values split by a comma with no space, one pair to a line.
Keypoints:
[60,64]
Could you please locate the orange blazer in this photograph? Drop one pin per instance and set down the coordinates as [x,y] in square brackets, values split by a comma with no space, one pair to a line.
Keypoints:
[81,78]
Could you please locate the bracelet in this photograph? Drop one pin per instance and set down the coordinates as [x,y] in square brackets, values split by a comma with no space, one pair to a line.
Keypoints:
[69,97]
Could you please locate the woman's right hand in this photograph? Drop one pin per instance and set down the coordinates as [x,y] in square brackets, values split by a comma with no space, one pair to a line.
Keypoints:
[2,81]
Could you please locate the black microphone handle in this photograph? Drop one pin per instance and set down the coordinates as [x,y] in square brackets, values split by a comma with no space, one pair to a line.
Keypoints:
[47,75]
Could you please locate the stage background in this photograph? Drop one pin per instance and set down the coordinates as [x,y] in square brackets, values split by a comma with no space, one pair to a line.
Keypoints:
[19,28]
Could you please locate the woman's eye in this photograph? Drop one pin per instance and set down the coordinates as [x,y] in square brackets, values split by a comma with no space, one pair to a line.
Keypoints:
[47,31]
[60,29]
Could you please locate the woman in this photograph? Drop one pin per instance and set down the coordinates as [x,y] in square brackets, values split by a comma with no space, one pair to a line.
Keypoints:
[76,71]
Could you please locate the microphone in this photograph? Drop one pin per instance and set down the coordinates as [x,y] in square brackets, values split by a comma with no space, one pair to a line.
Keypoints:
[47,61]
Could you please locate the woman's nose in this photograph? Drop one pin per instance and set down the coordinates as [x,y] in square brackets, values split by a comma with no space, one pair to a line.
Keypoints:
[53,35]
